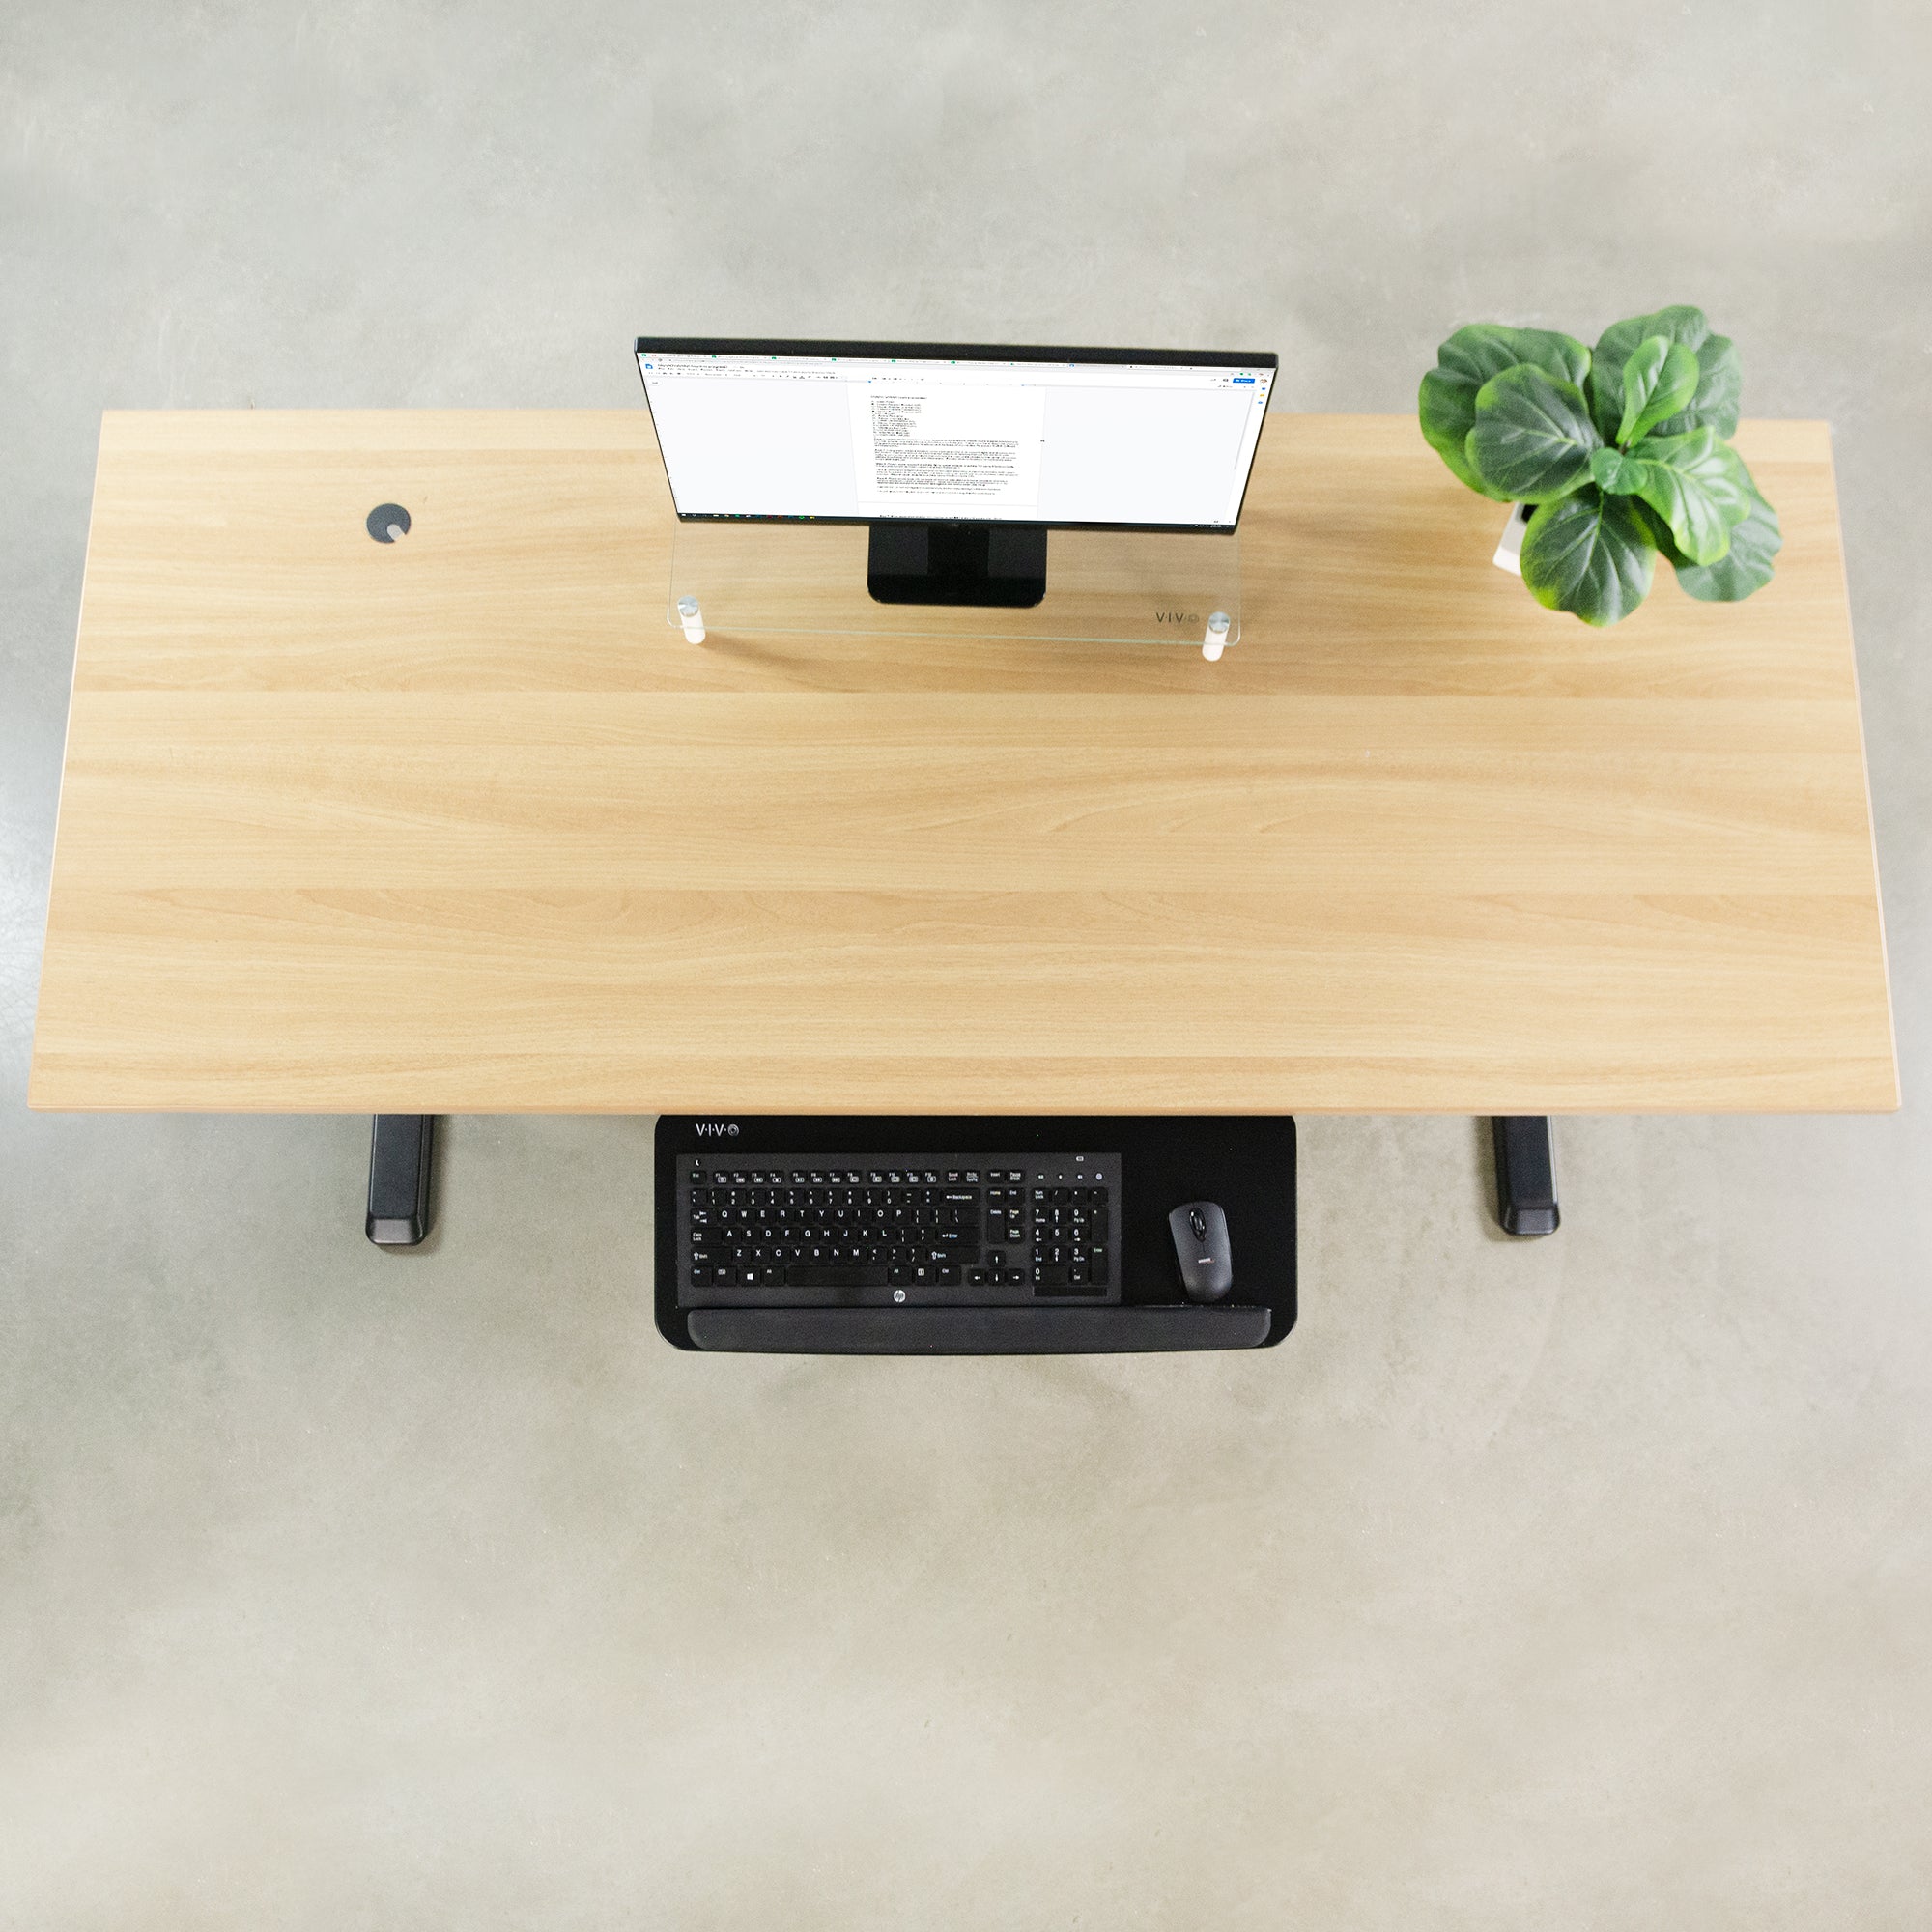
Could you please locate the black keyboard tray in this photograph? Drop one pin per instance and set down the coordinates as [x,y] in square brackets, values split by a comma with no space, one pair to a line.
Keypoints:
[1246,1162]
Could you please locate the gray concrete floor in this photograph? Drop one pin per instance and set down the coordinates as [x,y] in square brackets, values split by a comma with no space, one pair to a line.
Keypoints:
[1586,1582]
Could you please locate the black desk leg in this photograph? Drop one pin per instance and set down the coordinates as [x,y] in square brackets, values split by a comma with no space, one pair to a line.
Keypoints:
[399,1147]
[1526,1179]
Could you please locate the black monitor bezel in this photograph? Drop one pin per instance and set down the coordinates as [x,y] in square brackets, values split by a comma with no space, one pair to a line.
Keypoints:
[953,352]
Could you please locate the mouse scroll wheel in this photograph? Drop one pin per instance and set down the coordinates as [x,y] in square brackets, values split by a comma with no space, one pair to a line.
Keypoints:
[1200,1226]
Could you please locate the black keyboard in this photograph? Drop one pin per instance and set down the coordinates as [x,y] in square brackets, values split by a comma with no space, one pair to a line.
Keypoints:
[859,1230]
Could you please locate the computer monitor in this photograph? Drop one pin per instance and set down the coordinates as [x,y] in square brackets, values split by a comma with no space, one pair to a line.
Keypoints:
[960,457]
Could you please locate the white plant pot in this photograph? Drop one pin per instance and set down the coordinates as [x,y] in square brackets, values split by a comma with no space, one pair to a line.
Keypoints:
[1509,550]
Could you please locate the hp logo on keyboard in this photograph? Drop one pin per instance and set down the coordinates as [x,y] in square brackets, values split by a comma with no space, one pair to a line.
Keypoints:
[717,1131]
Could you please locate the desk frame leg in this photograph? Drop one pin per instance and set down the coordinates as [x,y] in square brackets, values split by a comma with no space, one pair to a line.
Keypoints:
[399,1156]
[1525,1175]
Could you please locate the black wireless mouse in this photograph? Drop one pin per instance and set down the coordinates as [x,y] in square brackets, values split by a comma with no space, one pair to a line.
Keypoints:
[1200,1232]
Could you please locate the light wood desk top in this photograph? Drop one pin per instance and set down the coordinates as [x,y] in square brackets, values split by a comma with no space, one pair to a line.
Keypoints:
[461,824]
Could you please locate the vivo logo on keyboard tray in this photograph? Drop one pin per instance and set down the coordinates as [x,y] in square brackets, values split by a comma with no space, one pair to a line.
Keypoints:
[717,1131]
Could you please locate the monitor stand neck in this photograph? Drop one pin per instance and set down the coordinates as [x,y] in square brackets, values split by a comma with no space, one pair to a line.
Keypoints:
[957,564]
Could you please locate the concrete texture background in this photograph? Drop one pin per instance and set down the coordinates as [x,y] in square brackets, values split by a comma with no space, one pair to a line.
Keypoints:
[1584,1582]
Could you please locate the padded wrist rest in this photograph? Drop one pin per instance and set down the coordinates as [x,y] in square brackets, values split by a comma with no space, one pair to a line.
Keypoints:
[977,1331]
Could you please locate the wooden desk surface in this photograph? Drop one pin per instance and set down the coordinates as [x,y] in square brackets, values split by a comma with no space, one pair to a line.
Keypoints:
[459,824]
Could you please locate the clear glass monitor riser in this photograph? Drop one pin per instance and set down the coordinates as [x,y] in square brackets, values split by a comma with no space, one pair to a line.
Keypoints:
[1128,587]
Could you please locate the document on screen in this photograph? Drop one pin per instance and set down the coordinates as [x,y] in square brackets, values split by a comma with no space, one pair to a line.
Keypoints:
[945,449]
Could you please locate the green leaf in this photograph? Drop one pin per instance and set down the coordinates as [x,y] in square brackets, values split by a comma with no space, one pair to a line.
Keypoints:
[1699,486]
[1486,349]
[1614,473]
[1620,341]
[1720,384]
[1658,533]
[1533,436]
[1660,379]
[1446,402]
[1588,554]
[1446,407]
[1745,566]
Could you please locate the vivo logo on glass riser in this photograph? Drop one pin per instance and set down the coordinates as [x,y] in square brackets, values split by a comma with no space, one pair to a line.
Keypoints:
[717,1131]
[1176,617]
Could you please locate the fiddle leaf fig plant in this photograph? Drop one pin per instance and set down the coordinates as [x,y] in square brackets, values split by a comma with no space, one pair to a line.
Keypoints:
[1623,449]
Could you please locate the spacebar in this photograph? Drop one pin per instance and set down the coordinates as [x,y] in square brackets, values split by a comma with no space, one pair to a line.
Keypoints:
[835,1277]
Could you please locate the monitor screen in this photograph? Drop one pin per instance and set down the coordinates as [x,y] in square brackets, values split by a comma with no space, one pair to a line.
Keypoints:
[938,433]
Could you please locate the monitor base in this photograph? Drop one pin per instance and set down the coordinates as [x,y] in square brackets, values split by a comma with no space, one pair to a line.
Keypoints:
[998,564]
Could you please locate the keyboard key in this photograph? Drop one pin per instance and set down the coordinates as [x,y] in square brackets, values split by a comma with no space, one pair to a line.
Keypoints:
[700,1277]
[836,1277]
